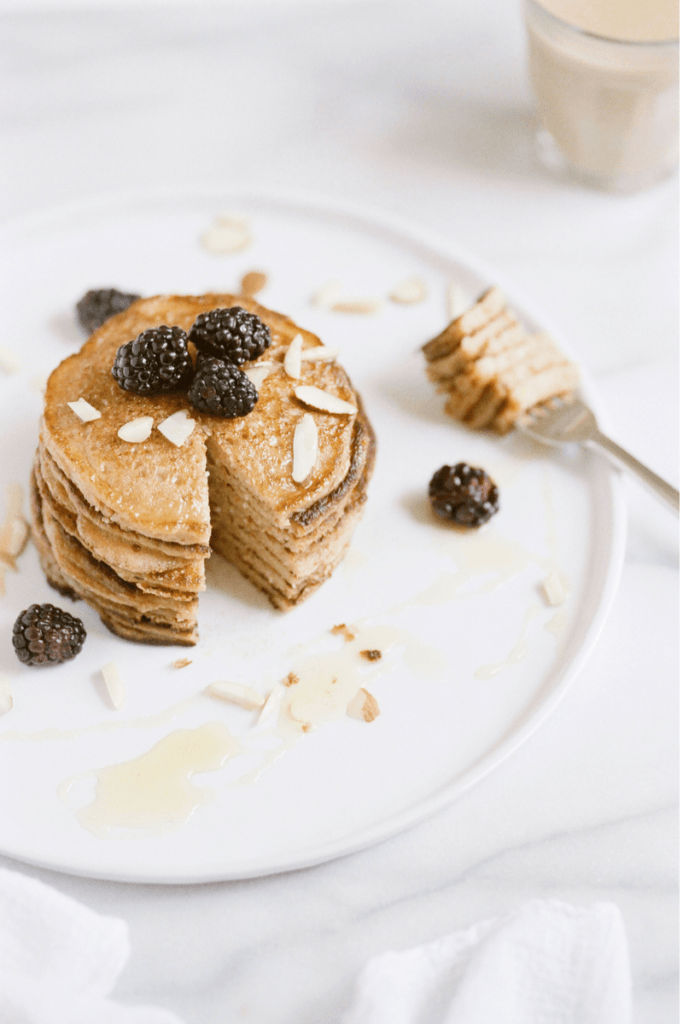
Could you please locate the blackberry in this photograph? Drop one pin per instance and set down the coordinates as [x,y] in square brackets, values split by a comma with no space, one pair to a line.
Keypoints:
[231,334]
[45,635]
[157,360]
[222,389]
[464,495]
[98,305]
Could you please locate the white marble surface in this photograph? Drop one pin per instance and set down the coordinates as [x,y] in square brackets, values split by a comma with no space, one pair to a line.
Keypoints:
[422,109]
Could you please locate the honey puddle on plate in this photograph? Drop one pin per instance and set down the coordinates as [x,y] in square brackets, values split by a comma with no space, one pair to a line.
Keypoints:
[153,793]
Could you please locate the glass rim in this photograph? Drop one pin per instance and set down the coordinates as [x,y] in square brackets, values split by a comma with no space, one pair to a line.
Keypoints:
[610,40]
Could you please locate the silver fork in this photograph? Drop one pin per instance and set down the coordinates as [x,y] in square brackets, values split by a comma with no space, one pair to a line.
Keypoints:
[570,421]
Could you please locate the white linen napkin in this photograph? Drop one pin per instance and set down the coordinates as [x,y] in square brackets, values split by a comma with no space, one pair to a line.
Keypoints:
[59,960]
[547,963]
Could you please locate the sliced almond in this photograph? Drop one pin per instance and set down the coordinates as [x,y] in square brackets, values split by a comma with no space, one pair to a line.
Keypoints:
[136,430]
[235,693]
[293,357]
[114,684]
[84,410]
[258,373]
[229,234]
[177,428]
[291,679]
[8,361]
[363,706]
[253,282]
[410,291]
[182,662]
[320,354]
[320,399]
[304,448]
[327,294]
[271,705]
[13,538]
[457,301]
[555,589]
[5,695]
[359,306]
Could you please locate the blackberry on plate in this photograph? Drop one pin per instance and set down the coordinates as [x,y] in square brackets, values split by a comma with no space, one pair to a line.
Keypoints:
[231,334]
[156,361]
[45,635]
[99,304]
[463,494]
[222,389]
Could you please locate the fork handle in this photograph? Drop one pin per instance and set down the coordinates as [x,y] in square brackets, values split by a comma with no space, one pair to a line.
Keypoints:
[664,490]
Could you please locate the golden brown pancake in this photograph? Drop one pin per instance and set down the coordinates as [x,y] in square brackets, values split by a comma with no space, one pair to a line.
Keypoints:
[128,526]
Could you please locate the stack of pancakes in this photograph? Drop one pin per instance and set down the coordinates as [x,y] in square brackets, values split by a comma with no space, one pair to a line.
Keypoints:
[493,370]
[128,526]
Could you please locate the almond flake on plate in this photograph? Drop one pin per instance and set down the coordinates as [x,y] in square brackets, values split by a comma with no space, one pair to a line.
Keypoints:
[293,357]
[272,703]
[320,354]
[327,294]
[84,410]
[114,684]
[258,373]
[228,234]
[320,399]
[253,282]
[235,693]
[136,430]
[13,538]
[555,589]
[5,695]
[457,301]
[182,662]
[304,448]
[8,361]
[177,428]
[410,291]
[363,706]
[359,306]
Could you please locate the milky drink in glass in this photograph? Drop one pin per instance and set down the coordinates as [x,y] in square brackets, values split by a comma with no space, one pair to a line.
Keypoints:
[605,77]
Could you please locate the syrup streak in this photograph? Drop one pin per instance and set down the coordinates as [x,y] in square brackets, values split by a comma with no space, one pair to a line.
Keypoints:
[518,651]
[145,722]
[153,793]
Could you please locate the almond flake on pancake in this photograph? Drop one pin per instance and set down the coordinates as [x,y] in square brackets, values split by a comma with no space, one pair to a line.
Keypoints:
[84,410]
[320,354]
[177,428]
[235,693]
[5,695]
[293,357]
[114,684]
[319,399]
[304,448]
[410,291]
[363,706]
[136,430]
[258,372]
[456,300]
[253,282]
[327,294]
[359,306]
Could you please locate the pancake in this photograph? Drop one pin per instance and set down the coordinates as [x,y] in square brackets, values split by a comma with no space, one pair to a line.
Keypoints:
[128,526]
[492,370]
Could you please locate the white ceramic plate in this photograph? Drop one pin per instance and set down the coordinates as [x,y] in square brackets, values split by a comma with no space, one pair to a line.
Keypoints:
[494,659]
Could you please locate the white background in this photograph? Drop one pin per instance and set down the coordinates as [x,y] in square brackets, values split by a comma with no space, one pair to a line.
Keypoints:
[424,110]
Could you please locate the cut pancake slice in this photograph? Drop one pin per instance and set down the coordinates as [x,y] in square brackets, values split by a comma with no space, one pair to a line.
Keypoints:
[127,526]
[492,370]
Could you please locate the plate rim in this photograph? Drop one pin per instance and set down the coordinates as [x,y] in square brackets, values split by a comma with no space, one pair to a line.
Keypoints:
[364,215]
